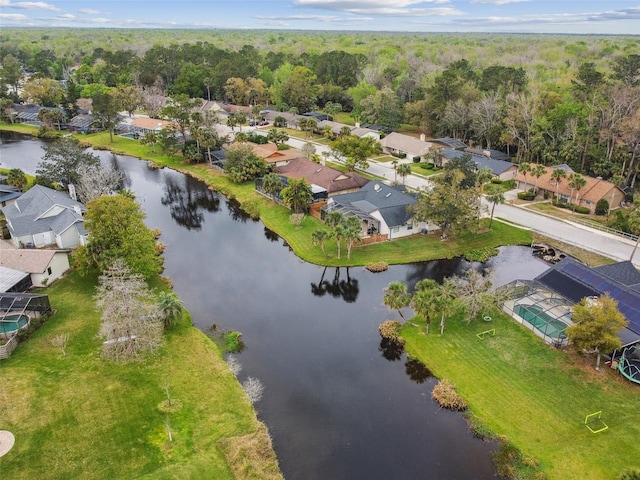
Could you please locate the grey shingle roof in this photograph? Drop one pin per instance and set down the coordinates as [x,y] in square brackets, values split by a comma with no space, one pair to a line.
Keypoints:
[622,272]
[391,203]
[497,167]
[25,214]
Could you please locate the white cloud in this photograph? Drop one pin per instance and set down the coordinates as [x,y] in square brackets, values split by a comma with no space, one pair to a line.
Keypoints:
[561,18]
[89,11]
[30,6]
[274,19]
[66,16]
[381,7]
[498,2]
[13,17]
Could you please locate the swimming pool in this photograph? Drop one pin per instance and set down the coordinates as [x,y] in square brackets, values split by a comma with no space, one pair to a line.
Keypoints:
[535,315]
[11,323]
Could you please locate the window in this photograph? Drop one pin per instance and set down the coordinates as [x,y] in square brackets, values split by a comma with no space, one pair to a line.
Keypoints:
[409,226]
[395,229]
[49,270]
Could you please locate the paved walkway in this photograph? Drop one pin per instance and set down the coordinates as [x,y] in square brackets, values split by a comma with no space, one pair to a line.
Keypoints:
[581,236]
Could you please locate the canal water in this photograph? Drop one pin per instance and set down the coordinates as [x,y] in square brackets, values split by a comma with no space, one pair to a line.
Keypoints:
[337,405]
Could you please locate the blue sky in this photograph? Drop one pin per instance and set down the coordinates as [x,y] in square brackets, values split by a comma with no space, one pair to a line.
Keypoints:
[563,16]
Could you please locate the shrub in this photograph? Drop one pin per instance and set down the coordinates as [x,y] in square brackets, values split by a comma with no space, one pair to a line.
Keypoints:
[620,222]
[602,207]
[581,209]
[496,181]
[389,329]
[512,464]
[481,254]
[416,159]
[233,342]
[526,195]
[257,138]
[445,394]
[377,267]
[545,195]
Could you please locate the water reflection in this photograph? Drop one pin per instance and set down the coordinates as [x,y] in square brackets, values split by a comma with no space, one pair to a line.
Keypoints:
[416,370]
[271,235]
[237,213]
[347,289]
[437,270]
[188,204]
[391,350]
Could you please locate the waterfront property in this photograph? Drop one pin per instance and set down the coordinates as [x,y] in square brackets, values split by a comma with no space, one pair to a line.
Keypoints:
[16,312]
[43,217]
[381,209]
[544,304]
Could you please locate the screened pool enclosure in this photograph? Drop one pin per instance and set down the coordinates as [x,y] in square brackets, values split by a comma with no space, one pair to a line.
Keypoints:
[541,310]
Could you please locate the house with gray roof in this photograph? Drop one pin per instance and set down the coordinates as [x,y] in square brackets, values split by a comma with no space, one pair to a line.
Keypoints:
[44,217]
[499,168]
[382,210]
[8,194]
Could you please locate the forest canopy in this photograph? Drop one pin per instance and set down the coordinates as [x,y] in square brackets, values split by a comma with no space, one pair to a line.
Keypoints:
[546,99]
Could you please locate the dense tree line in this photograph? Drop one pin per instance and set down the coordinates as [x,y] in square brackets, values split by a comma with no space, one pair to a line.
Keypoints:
[577,101]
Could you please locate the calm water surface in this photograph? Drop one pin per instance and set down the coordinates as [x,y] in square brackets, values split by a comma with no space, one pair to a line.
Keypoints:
[335,406]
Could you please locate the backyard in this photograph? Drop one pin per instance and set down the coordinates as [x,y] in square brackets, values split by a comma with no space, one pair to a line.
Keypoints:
[77,416]
[535,396]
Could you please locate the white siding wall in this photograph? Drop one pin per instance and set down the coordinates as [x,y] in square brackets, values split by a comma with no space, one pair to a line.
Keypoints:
[69,238]
[59,265]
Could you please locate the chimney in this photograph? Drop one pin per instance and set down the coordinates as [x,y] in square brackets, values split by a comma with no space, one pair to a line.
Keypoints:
[72,192]
[422,137]
[357,124]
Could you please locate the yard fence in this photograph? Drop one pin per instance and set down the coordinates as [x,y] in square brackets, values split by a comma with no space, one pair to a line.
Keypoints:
[8,347]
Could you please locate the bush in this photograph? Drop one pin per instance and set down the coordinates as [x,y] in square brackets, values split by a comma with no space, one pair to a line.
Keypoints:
[233,342]
[581,209]
[445,394]
[416,159]
[252,209]
[602,207]
[497,181]
[377,267]
[526,195]
[545,195]
[620,222]
[257,138]
[389,329]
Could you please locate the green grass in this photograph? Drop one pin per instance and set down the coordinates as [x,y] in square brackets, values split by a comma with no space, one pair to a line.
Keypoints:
[425,168]
[77,416]
[406,250]
[537,397]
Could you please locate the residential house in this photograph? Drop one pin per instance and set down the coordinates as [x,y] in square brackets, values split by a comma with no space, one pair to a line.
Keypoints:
[269,153]
[400,145]
[8,194]
[499,168]
[41,266]
[336,127]
[28,114]
[362,132]
[292,120]
[383,210]
[83,123]
[494,154]
[588,196]
[332,180]
[575,281]
[43,217]
[144,125]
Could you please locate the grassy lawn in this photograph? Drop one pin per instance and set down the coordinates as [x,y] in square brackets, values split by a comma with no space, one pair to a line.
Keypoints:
[425,168]
[535,396]
[77,416]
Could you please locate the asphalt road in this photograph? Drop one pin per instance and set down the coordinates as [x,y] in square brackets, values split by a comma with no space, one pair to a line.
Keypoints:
[612,246]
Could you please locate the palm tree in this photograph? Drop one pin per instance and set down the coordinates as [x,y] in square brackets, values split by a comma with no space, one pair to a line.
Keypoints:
[297,195]
[352,232]
[483,176]
[171,308]
[397,297]
[537,171]
[395,162]
[272,184]
[338,233]
[318,238]
[524,168]
[403,170]
[494,196]
[333,219]
[447,295]
[557,175]
[17,178]
[425,300]
[576,182]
